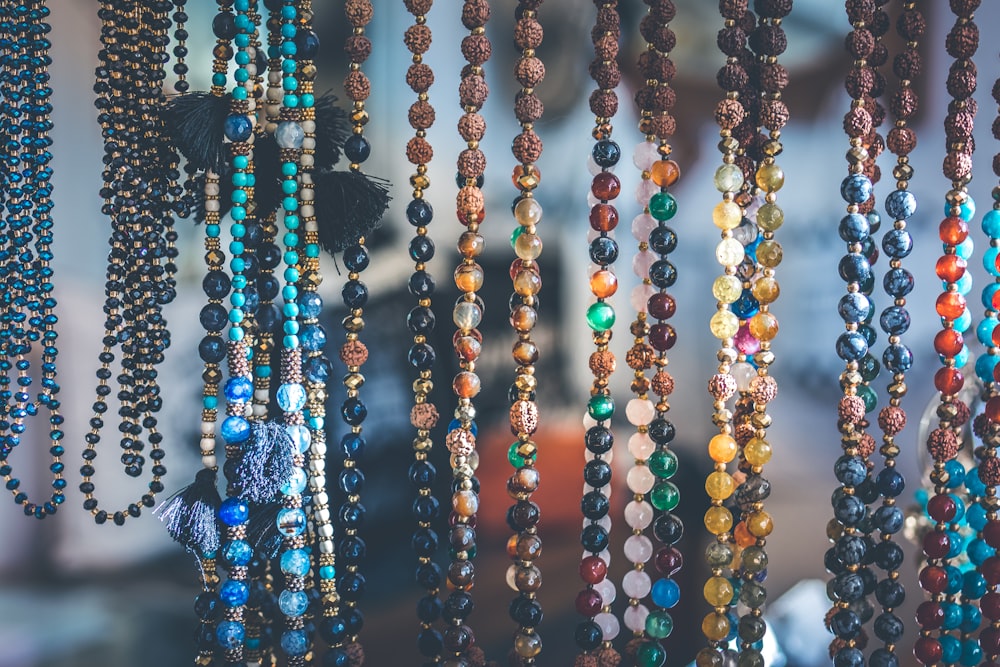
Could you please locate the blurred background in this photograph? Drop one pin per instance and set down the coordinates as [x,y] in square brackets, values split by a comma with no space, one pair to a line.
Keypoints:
[76,595]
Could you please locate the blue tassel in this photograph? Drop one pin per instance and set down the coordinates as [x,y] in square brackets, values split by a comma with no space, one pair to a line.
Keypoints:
[267,461]
[190,514]
[262,530]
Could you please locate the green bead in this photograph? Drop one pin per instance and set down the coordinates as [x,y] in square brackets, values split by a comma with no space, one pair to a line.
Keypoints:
[659,624]
[869,396]
[869,368]
[600,316]
[664,496]
[515,234]
[650,654]
[601,407]
[515,459]
[663,463]
[662,206]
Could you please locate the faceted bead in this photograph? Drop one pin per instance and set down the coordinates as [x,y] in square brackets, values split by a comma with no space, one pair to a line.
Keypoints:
[724,324]
[715,627]
[728,178]
[291,522]
[659,624]
[609,626]
[718,520]
[289,135]
[662,337]
[764,326]
[641,446]
[727,215]
[234,512]
[295,562]
[950,305]
[720,485]
[527,247]
[593,569]
[722,448]
[603,218]
[469,277]
[293,603]
[230,634]
[770,217]
[638,515]
[718,591]
[237,127]
[471,244]
[948,380]
[757,452]
[466,385]
[770,177]
[642,226]
[528,212]
[234,593]
[638,549]
[769,254]
[291,397]
[606,186]
[603,284]
[953,231]
[588,602]
[665,173]
[527,645]
[235,430]
[729,252]
[727,289]
[466,315]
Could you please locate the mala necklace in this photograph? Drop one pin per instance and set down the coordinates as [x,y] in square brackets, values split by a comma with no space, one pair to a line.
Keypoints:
[459,640]
[27,278]
[523,576]
[943,442]
[654,462]
[140,180]
[594,601]
[421,322]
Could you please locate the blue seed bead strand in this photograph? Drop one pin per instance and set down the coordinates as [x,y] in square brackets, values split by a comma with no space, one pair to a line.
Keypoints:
[25,273]
[180,49]
[421,322]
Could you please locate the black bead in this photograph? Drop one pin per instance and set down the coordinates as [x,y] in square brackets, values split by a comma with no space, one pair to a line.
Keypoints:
[668,528]
[357,149]
[663,240]
[422,473]
[594,538]
[599,439]
[888,627]
[421,356]
[419,212]
[216,285]
[333,629]
[662,431]
[213,317]
[525,611]
[224,26]
[429,608]
[845,624]
[606,153]
[351,585]
[597,473]
[457,606]
[421,320]
[603,250]
[429,575]
[588,635]
[662,274]
[421,284]
[430,642]
[306,44]
[356,258]
[355,294]
[421,249]
[212,349]
[352,549]
[594,505]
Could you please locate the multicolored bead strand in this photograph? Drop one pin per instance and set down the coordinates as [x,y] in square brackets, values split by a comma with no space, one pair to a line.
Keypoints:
[459,640]
[421,323]
[943,543]
[25,272]
[523,575]
[654,463]
[594,635]
[719,625]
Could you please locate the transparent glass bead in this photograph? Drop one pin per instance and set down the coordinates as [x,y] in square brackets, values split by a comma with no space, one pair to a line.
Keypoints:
[295,562]
[293,603]
[291,522]
[289,135]
[467,315]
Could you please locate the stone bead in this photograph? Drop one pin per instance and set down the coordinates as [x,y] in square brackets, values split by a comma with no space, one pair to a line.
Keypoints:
[727,215]
[606,589]
[638,515]
[727,289]
[724,324]
[640,296]
[641,446]
[635,617]
[639,411]
[642,225]
[722,448]
[640,479]
[729,252]
[609,625]
[728,178]
[744,374]
[645,155]
[718,520]
[638,548]
[641,262]
[720,485]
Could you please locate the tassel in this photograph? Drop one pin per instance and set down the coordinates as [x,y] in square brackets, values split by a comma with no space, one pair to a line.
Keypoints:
[190,514]
[332,129]
[267,176]
[262,529]
[349,205]
[267,461]
[195,122]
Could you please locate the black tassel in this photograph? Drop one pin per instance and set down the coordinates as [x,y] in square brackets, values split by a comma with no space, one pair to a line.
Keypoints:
[332,129]
[267,175]
[190,514]
[196,123]
[262,529]
[266,464]
[349,205]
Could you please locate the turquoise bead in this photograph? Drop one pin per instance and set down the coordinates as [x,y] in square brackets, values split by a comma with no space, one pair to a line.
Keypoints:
[289,83]
[988,292]
[312,250]
[239,282]
[968,209]
[289,292]
[290,203]
[243,41]
[984,331]
[238,213]
[292,274]
[288,12]
[963,322]
[293,603]
[218,79]
[290,309]
[290,101]
[289,186]
[327,572]
[290,239]
[238,264]
[985,365]
[288,66]
[951,649]
[213,231]
[241,75]
[291,327]
[296,563]
[238,230]
[241,162]
[288,49]
[292,221]
[289,169]
[239,197]
[240,93]
[291,257]
[210,402]
[301,437]
[990,261]
[242,58]
[236,334]
[307,99]
[236,247]
[288,31]
[991,223]
[238,299]
[290,342]
[966,248]
[240,179]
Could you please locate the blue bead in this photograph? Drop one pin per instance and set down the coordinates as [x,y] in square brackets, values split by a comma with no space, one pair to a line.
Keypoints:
[897,358]
[313,337]
[952,615]
[963,322]
[746,306]
[310,305]
[900,204]
[234,593]
[974,484]
[963,285]
[666,593]
[352,445]
[293,603]
[972,617]
[294,643]
[235,430]
[854,307]
[419,213]
[291,522]
[230,634]
[968,209]
[964,249]
[856,189]
[353,411]
[239,389]
[317,369]
[991,223]
[979,551]
[973,585]
[889,519]
[237,552]
[984,331]
[956,473]
[898,282]
[897,243]
[850,470]
[987,299]
[990,261]
[295,562]
[955,579]
[955,543]
[985,365]
[951,649]
[233,512]
[357,149]
[237,127]
[351,481]
[895,320]
[972,653]
[854,268]
[851,346]
[291,397]
[976,517]
[296,483]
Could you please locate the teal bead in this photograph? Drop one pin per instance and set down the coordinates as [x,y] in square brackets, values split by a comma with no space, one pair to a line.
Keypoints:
[288,49]
[991,223]
[240,179]
[241,162]
[291,221]
[990,261]
[869,396]
[239,197]
[238,299]
[662,206]
[289,186]
[290,309]
[241,75]
[600,316]
[327,572]
[288,31]
[237,264]
[288,66]
[240,93]
[291,327]
[307,100]
[213,231]
[289,169]
[290,342]
[988,294]
[515,234]
[238,230]
[291,273]
[291,240]
[239,282]
[290,203]
[290,101]
[238,213]
[968,209]
[984,330]
[236,247]
[985,364]
[963,322]
[263,371]
[210,402]
[289,83]
[289,292]
[242,20]
[235,316]
[601,407]
[242,58]
[966,248]
[236,334]
[218,79]
[291,257]
[288,12]
[243,41]
[312,250]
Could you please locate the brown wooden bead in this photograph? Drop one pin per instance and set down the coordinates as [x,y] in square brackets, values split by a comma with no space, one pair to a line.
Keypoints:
[359,12]
[528,33]
[417,39]
[419,78]
[476,49]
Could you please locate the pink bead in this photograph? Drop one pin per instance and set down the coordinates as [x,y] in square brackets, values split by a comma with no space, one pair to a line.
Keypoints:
[641,262]
[609,625]
[636,584]
[639,299]
[639,411]
[635,617]
[606,589]
[641,446]
[745,341]
[644,191]
[638,548]
[640,479]
[638,514]
[644,155]
[642,225]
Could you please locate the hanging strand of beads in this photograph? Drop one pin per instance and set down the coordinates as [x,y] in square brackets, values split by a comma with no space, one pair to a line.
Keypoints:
[459,640]
[26,275]
[654,462]
[944,441]
[594,635]
[523,576]
[140,177]
[989,430]
[421,323]
[730,114]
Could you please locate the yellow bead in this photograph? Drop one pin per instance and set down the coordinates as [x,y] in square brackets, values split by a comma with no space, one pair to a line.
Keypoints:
[764,326]
[719,485]
[718,591]
[715,627]
[727,215]
[770,177]
[765,289]
[528,246]
[724,324]
[770,217]
[769,254]
[528,212]
[757,452]
[730,252]
[759,524]
[727,289]
[728,178]
[718,520]
[722,448]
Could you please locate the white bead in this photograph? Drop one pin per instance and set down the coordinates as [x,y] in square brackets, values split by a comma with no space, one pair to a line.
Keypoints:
[318,447]
[307,211]
[207,428]
[274,78]
[248,409]
[212,205]
[320,498]
[326,547]
[640,479]
[322,515]
[642,261]
[635,617]
[307,160]
[306,194]
[639,411]
[606,589]
[207,444]
[641,446]
[315,465]
[636,584]
[592,234]
[309,126]
[592,200]
[309,143]
[609,625]
[744,373]
[325,530]
[592,166]
[606,557]
[311,225]
[644,155]
[208,461]
[212,188]
[259,411]
[509,577]
[638,515]
[638,548]
[604,522]
[317,482]
[274,95]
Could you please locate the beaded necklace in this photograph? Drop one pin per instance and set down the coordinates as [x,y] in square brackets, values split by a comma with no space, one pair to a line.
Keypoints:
[524,546]
[421,323]
[654,462]
[594,601]
[943,442]
[140,181]
[24,270]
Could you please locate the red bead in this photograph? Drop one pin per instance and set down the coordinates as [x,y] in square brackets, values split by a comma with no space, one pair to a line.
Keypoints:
[948,342]
[662,306]
[603,217]
[942,508]
[953,230]
[453,520]
[989,639]
[669,561]
[606,186]
[588,602]
[662,337]
[990,605]
[475,333]
[950,268]
[950,305]
[593,569]
[927,650]
[933,579]
[930,615]
[991,533]
[936,544]
[948,381]
[516,267]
